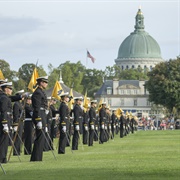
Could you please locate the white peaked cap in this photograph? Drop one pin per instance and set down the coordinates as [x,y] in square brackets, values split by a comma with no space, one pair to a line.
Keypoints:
[94,101]
[44,78]
[4,80]
[76,98]
[64,94]
[6,84]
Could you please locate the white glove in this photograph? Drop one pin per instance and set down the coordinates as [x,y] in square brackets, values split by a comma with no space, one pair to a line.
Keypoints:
[15,128]
[110,127]
[102,126]
[114,126]
[5,128]
[31,113]
[106,127]
[77,128]
[46,129]
[39,125]
[64,128]
[96,128]
[86,128]
[26,94]
[92,127]
[46,111]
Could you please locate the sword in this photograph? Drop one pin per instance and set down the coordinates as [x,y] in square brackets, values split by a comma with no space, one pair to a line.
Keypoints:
[105,135]
[68,141]
[81,141]
[50,139]
[48,144]
[13,147]
[97,137]
[2,169]
[22,143]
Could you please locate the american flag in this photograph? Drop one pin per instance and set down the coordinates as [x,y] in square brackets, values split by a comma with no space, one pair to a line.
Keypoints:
[91,57]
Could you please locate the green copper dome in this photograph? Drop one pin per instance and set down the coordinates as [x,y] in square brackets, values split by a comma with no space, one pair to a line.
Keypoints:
[139,44]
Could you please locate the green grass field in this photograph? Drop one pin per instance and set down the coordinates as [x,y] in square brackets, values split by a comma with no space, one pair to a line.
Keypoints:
[144,155]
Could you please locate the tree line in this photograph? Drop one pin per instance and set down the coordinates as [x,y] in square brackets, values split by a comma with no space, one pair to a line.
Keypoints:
[162,82]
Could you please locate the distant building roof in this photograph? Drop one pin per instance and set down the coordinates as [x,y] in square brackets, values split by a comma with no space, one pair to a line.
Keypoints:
[65,89]
[109,84]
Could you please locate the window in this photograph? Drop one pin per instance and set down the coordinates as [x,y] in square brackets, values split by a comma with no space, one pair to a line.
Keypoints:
[121,102]
[135,102]
[109,102]
[109,90]
[122,67]
[121,91]
[132,66]
[148,103]
[127,67]
[128,91]
[135,91]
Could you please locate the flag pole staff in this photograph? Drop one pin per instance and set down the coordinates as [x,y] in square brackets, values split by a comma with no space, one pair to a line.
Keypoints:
[86,58]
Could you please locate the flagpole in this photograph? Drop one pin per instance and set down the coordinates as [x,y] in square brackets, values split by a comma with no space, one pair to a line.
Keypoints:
[86,58]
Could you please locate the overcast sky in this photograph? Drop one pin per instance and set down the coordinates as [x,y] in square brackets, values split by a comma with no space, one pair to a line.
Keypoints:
[59,31]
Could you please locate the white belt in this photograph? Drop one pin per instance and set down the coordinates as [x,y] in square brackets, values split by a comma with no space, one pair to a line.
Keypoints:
[28,119]
[53,118]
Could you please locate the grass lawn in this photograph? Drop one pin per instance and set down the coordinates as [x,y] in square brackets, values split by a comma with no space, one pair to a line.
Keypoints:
[144,155]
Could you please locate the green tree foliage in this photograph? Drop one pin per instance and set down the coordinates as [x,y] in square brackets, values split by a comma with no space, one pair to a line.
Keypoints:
[164,84]
[54,75]
[92,81]
[72,74]
[112,72]
[5,68]
[26,70]
[133,74]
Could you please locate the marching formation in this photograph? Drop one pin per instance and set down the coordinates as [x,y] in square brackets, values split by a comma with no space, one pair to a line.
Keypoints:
[33,120]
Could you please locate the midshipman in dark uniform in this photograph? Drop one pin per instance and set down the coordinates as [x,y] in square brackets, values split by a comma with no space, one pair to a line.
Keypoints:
[78,115]
[122,124]
[28,126]
[92,119]
[102,119]
[18,118]
[39,104]
[113,124]
[63,122]
[54,111]
[85,125]
[5,118]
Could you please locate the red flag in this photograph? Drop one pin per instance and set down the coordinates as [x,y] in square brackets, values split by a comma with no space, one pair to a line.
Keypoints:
[91,57]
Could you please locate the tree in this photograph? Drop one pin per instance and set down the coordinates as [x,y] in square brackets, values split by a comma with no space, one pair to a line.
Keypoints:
[5,68]
[26,70]
[92,81]
[72,74]
[133,74]
[54,75]
[164,84]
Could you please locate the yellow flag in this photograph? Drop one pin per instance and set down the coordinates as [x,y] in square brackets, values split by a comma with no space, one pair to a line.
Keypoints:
[1,75]
[100,104]
[32,82]
[86,101]
[57,87]
[70,104]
